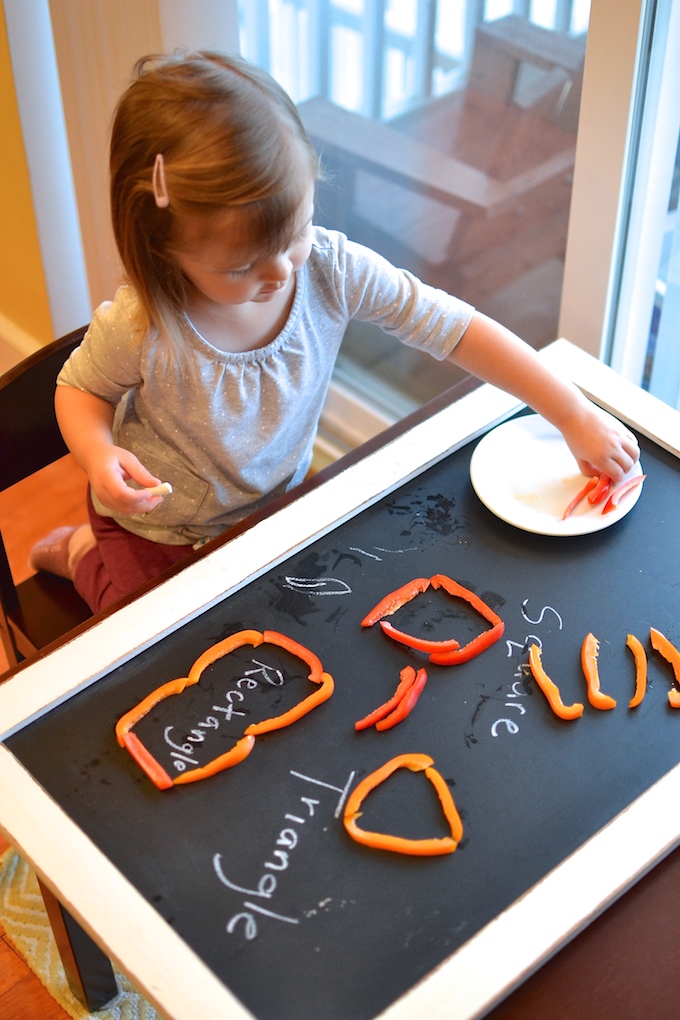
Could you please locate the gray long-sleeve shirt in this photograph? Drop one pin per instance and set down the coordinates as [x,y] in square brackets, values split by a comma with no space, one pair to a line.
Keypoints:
[231,431]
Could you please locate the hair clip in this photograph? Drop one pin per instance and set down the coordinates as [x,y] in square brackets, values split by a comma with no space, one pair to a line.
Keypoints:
[160,190]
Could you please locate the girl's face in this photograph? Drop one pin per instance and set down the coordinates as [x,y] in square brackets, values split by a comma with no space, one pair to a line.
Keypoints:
[216,256]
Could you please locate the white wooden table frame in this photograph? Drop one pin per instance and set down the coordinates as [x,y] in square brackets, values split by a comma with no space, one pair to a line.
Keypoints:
[118,917]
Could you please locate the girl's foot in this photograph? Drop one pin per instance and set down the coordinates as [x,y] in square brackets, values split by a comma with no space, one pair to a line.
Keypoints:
[60,551]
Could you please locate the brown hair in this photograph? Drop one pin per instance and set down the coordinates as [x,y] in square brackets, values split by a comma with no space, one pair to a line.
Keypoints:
[229,136]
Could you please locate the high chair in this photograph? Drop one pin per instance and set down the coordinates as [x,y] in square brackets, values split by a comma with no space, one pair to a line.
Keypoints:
[42,608]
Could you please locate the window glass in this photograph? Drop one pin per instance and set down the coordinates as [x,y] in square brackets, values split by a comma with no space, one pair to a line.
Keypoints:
[643,336]
[448,133]
[662,364]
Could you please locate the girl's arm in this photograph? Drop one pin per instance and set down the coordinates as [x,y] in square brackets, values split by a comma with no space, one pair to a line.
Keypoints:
[86,424]
[600,443]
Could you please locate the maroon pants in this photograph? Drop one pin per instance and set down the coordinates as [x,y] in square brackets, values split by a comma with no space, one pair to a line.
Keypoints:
[120,562]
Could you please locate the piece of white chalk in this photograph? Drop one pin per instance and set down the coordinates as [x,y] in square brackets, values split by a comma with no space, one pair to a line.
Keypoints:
[164,489]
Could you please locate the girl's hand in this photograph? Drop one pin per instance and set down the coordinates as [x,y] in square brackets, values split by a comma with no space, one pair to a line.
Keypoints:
[600,443]
[109,469]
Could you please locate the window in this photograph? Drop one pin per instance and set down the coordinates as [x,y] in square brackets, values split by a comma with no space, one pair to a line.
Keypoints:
[448,131]
[642,331]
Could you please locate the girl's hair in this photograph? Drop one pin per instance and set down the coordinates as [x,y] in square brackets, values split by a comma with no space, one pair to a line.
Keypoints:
[229,135]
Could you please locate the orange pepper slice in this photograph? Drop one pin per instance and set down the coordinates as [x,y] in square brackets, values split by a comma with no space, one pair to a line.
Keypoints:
[399,844]
[154,770]
[550,689]
[589,653]
[238,752]
[671,654]
[640,658]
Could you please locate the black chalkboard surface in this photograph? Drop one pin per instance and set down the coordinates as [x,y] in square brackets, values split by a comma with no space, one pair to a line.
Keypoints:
[253,867]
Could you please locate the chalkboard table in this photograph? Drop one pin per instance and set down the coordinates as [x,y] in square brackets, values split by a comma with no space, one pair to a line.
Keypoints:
[242,895]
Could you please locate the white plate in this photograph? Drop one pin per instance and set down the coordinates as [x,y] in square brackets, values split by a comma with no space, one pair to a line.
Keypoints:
[524,472]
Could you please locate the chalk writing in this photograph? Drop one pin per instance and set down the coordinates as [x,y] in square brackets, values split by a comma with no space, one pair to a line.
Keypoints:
[511,726]
[392,552]
[354,548]
[246,920]
[269,674]
[523,645]
[318,585]
[544,610]
[183,752]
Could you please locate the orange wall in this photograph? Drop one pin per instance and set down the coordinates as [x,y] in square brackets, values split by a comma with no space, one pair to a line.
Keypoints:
[23,294]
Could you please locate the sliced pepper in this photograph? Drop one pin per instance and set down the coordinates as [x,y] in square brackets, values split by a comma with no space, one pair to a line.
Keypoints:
[131,718]
[590,484]
[472,648]
[316,675]
[448,652]
[272,637]
[483,640]
[406,704]
[222,648]
[550,689]
[671,654]
[406,678]
[154,770]
[640,658]
[234,756]
[399,844]
[244,746]
[619,493]
[420,644]
[395,600]
[589,652]
[600,491]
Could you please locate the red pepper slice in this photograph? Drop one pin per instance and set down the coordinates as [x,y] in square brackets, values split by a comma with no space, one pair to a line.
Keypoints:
[640,658]
[590,484]
[458,591]
[590,650]
[420,644]
[482,641]
[447,652]
[471,649]
[407,676]
[619,493]
[671,654]
[399,844]
[395,600]
[600,491]
[406,704]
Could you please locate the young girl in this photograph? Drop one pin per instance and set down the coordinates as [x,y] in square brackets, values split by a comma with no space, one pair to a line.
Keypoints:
[210,367]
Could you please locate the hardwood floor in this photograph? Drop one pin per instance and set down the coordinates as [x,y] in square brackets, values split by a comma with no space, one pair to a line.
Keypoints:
[22,996]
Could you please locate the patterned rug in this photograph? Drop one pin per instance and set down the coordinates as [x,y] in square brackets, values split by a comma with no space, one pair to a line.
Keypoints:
[26,925]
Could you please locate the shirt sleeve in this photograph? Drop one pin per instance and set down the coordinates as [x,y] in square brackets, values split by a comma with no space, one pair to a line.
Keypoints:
[107,362]
[373,290]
